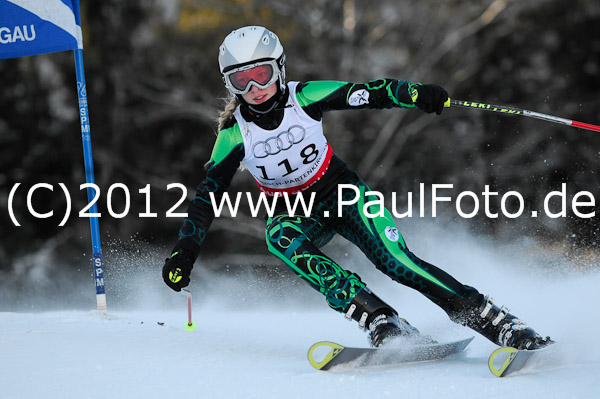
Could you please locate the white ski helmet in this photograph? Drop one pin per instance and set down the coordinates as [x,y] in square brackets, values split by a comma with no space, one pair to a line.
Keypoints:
[246,48]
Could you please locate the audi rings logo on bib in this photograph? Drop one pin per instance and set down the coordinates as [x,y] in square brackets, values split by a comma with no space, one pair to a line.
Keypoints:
[275,144]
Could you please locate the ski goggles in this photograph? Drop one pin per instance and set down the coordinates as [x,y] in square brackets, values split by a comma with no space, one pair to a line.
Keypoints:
[260,74]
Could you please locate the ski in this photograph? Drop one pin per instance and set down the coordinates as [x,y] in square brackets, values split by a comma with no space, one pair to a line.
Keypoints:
[510,360]
[336,354]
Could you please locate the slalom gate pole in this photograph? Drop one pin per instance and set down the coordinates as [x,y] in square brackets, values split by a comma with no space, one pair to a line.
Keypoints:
[89,178]
[523,112]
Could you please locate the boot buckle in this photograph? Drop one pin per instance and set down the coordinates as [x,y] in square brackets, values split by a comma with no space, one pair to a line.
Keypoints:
[489,304]
[501,315]
[351,310]
[363,321]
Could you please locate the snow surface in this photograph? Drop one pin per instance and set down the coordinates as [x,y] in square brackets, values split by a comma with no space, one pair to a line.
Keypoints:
[252,339]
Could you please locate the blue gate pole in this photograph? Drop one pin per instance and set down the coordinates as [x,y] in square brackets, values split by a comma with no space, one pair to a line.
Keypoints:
[89,178]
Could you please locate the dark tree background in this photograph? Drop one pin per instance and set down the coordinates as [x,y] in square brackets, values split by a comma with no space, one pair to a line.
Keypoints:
[155,91]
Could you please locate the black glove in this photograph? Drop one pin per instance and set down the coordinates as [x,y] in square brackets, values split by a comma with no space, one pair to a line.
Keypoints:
[177,269]
[431,98]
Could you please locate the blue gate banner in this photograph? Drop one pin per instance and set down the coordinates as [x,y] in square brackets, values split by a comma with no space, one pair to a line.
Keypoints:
[29,27]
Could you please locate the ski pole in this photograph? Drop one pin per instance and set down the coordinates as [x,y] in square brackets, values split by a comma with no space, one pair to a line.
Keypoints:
[190,325]
[523,112]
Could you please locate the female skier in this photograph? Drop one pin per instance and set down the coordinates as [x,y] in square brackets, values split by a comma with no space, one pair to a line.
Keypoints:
[275,129]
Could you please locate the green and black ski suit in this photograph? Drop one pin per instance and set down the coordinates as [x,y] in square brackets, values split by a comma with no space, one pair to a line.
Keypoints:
[297,240]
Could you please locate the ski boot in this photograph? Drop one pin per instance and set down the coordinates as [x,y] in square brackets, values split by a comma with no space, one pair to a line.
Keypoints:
[499,326]
[378,318]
